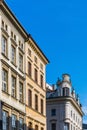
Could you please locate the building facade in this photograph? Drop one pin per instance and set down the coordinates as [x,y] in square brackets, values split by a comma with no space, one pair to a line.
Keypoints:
[35,86]
[84,126]
[64,110]
[16,82]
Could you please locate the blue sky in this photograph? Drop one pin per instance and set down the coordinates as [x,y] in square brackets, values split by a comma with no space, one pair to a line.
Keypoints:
[60,29]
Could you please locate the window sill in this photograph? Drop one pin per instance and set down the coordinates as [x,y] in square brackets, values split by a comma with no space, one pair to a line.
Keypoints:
[21,102]
[14,97]
[14,64]
[5,56]
[6,92]
[21,50]
[5,32]
[21,70]
[13,41]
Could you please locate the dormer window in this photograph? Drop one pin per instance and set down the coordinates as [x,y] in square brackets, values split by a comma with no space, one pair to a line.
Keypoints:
[65,91]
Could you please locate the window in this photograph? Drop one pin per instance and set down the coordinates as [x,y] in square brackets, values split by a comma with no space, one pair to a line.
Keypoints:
[6,27]
[2,24]
[29,98]
[14,122]
[13,54]
[30,126]
[53,112]
[65,91]
[21,124]
[53,126]
[66,126]
[4,45]
[20,45]
[29,69]
[36,127]
[11,34]
[36,102]
[74,116]
[4,80]
[71,113]
[41,80]
[42,106]
[14,37]
[13,86]
[20,92]
[36,75]
[71,126]
[20,62]
[42,128]
[5,120]
[29,52]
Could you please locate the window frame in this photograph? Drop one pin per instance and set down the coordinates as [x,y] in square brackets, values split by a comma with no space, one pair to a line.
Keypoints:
[29,98]
[5,80]
[5,120]
[36,75]
[53,112]
[13,55]
[14,122]
[21,92]
[13,86]
[42,106]
[36,102]
[4,44]
[41,81]
[20,61]
[21,124]
[29,68]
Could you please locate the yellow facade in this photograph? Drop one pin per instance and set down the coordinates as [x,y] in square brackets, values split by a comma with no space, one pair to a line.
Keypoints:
[38,61]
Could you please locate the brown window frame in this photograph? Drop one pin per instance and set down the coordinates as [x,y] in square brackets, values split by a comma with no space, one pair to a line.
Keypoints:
[41,81]
[29,98]
[42,106]
[36,102]
[36,75]
[29,69]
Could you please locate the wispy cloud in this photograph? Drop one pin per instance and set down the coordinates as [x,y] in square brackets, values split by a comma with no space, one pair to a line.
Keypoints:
[84,108]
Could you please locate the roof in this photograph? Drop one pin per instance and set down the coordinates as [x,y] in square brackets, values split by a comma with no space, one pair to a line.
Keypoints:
[5,8]
[38,47]
[3,5]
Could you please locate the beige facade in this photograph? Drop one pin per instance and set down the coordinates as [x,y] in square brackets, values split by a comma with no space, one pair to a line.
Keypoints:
[64,110]
[35,86]
[12,73]
[15,81]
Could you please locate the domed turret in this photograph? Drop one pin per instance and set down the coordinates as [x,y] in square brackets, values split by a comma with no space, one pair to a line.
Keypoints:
[65,85]
[66,77]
